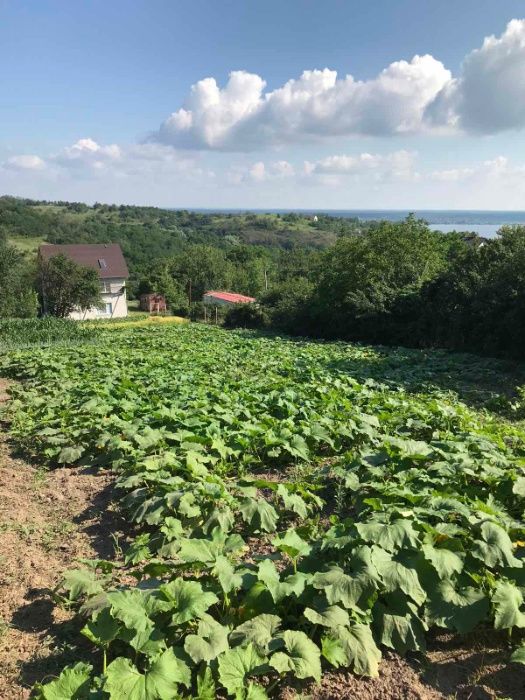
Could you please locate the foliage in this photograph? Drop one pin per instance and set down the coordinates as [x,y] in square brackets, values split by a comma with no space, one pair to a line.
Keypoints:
[48,331]
[246,316]
[425,530]
[66,286]
[18,299]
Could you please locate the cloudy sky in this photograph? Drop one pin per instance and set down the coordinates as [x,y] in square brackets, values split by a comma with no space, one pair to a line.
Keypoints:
[265,103]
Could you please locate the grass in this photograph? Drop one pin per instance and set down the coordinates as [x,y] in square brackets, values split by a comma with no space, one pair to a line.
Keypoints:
[145,322]
[25,244]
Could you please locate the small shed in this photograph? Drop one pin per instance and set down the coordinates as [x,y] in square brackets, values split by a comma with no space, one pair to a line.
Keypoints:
[153,302]
[217,298]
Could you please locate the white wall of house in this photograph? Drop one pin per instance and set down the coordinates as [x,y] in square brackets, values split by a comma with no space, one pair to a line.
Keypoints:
[213,301]
[114,300]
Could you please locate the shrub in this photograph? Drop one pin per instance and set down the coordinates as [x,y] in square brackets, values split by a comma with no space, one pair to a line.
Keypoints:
[246,316]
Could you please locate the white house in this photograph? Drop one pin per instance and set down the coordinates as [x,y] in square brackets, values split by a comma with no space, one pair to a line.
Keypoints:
[108,261]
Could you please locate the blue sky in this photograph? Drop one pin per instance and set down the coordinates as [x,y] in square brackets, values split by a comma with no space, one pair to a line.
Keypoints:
[98,104]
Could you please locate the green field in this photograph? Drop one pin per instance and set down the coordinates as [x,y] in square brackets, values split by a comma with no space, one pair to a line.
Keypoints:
[26,244]
[295,506]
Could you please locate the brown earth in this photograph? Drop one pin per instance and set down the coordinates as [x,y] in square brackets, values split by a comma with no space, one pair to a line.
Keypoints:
[48,521]
[469,668]
[51,519]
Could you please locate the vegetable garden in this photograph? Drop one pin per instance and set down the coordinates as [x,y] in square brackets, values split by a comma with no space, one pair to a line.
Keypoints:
[291,510]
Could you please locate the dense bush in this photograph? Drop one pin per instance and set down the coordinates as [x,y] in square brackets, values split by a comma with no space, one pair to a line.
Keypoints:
[246,316]
[402,284]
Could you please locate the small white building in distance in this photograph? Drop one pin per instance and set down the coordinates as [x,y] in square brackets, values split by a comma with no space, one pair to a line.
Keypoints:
[216,298]
[108,261]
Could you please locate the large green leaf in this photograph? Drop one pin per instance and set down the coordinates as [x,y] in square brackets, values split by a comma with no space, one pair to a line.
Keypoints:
[258,631]
[268,574]
[228,578]
[507,600]
[210,640]
[69,455]
[398,625]
[102,629]
[161,682]
[396,576]
[72,684]
[445,562]
[460,609]
[205,685]
[329,616]
[83,582]
[292,501]
[357,646]
[495,548]
[259,514]
[187,600]
[390,536]
[292,544]
[236,664]
[340,587]
[302,656]
[133,608]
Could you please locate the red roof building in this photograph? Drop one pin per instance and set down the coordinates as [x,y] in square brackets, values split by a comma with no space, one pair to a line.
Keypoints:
[216,298]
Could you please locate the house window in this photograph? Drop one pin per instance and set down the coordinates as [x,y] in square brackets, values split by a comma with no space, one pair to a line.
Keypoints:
[108,309]
[105,287]
[102,263]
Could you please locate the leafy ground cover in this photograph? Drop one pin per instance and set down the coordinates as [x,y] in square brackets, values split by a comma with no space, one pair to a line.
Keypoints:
[297,506]
[37,332]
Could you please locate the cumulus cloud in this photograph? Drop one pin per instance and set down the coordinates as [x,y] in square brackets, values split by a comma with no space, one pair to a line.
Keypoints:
[260,172]
[88,160]
[489,94]
[25,162]
[241,116]
[87,153]
[407,97]
[400,163]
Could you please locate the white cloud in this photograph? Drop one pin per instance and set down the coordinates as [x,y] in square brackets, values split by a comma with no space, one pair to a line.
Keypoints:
[210,114]
[407,97]
[241,116]
[496,171]
[25,162]
[452,174]
[86,153]
[260,172]
[489,94]
[399,165]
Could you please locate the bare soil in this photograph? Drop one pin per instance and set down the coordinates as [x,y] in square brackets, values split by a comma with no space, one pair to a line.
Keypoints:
[469,668]
[48,521]
[51,519]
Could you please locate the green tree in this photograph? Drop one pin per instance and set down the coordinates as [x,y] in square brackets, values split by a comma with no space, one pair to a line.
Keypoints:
[200,268]
[363,278]
[17,295]
[66,286]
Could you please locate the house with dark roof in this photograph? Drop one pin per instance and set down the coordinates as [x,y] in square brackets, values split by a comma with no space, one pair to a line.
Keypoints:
[107,259]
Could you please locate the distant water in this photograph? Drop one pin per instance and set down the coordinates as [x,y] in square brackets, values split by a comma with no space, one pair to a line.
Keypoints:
[485,223]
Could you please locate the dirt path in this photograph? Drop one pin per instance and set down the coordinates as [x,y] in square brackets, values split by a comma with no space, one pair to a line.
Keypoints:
[48,520]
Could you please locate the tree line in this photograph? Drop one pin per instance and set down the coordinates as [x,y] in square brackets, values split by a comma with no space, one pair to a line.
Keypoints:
[403,284]
[384,283]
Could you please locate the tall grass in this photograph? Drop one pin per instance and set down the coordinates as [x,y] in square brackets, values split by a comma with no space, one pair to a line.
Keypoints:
[19,333]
